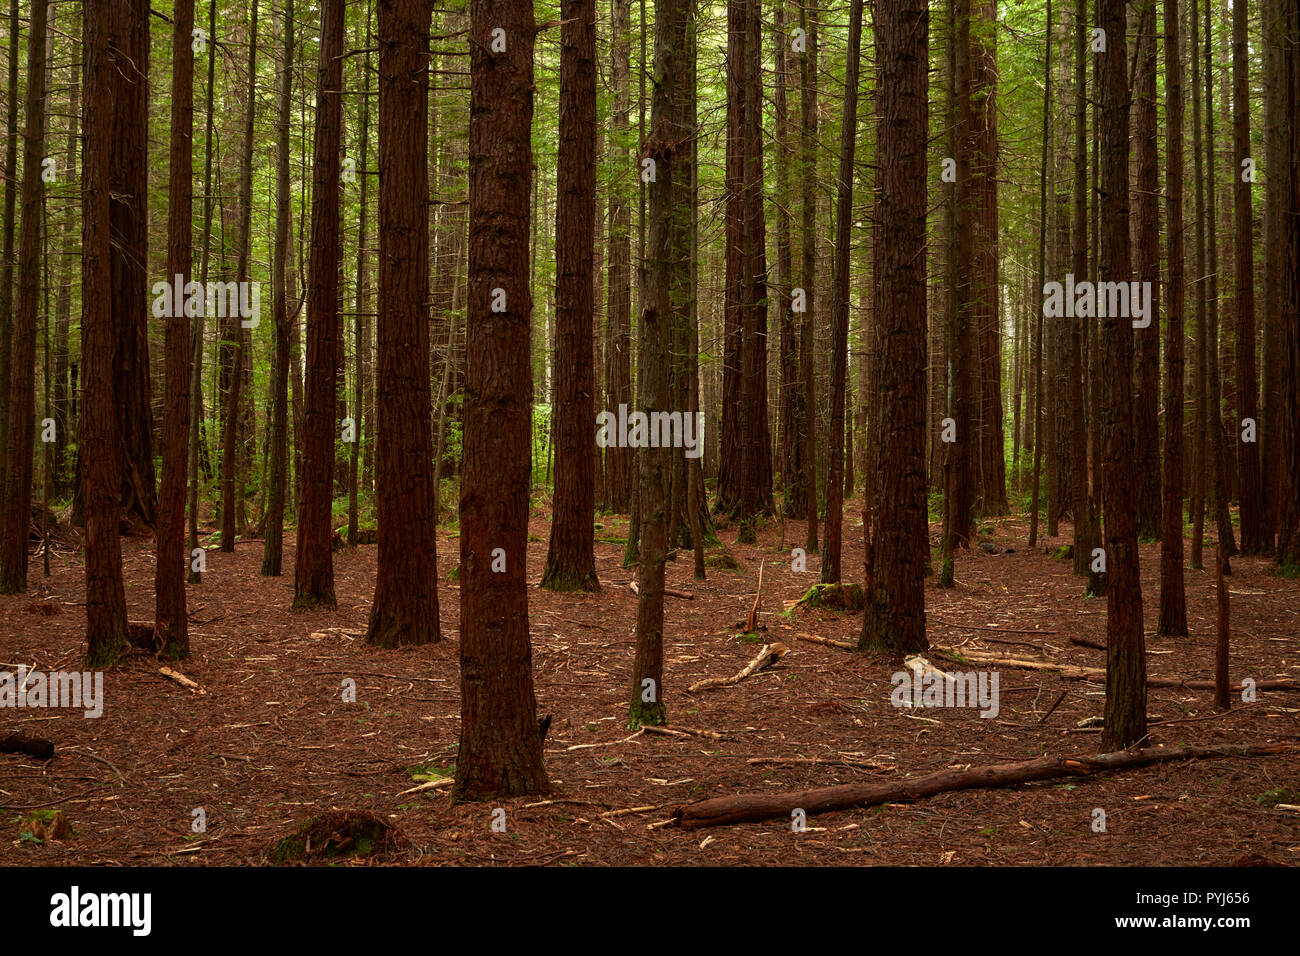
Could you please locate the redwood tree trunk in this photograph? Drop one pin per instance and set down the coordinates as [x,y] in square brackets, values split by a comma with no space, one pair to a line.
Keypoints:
[22,383]
[895,613]
[840,306]
[1252,525]
[405,609]
[101,466]
[314,570]
[500,747]
[1173,598]
[172,625]
[1126,711]
[571,555]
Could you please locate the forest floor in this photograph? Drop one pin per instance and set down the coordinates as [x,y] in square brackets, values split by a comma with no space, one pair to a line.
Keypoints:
[272,743]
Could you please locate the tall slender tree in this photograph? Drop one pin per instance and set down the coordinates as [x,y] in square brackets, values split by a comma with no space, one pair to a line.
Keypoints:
[1173,597]
[571,555]
[895,613]
[840,305]
[273,544]
[405,608]
[1126,712]
[97,436]
[500,744]
[1251,494]
[314,569]
[172,624]
[1146,267]
[22,356]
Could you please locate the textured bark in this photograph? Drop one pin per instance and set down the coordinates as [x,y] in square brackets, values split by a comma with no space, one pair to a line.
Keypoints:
[830,571]
[570,555]
[1272,412]
[963,341]
[991,482]
[21,399]
[618,319]
[1288,538]
[231,444]
[10,220]
[273,544]
[500,747]
[895,615]
[129,223]
[97,436]
[172,625]
[1146,268]
[1216,462]
[362,416]
[1252,525]
[314,568]
[1125,656]
[405,608]
[1173,597]
[1199,378]
[668,292]
[808,270]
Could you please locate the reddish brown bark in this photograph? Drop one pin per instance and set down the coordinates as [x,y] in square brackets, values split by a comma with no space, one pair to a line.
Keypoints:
[571,556]
[405,609]
[101,466]
[172,625]
[1126,711]
[500,747]
[895,615]
[314,571]
[22,383]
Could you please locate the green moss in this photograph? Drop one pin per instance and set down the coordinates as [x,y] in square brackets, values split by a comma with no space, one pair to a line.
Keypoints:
[840,596]
[335,835]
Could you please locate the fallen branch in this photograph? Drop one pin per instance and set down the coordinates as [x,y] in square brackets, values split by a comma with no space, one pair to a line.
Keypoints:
[752,620]
[1098,674]
[826,641]
[717,811]
[768,655]
[670,592]
[683,732]
[822,762]
[430,785]
[181,679]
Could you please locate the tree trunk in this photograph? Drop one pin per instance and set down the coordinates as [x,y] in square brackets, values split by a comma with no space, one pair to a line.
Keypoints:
[273,543]
[405,608]
[1146,267]
[1173,598]
[97,436]
[571,556]
[618,319]
[7,263]
[314,569]
[895,615]
[840,306]
[230,456]
[500,747]
[1252,525]
[130,243]
[171,623]
[1126,710]
[22,356]
[808,237]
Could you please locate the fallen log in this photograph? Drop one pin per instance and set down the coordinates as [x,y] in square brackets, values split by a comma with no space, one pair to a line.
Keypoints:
[1075,672]
[768,655]
[181,679]
[826,641]
[750,808]
[36,747]
[668,592]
